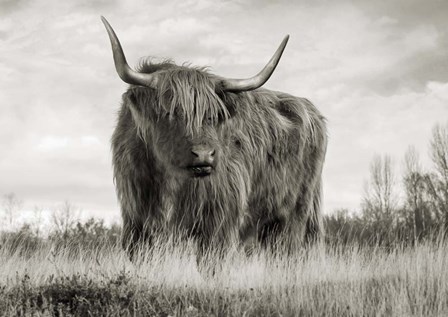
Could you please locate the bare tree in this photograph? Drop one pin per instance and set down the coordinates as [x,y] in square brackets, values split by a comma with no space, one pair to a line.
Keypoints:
[11,205]
[38,218]
[438,182]
[439,150]
[380,199]
[65,217]
[415,208]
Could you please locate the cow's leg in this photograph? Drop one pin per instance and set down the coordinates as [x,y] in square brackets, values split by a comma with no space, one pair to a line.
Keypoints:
[274,227]
[212,251]
[130,237]
[294,222]
[135,237]
[209,257]
[139,185]
[304,226]
[314,231]
[270,233]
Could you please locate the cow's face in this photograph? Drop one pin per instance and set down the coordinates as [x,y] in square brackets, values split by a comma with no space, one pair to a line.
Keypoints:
[185,138]
[193,155]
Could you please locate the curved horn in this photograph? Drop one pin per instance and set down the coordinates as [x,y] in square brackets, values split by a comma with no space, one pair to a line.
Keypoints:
[127,74]
[259,79]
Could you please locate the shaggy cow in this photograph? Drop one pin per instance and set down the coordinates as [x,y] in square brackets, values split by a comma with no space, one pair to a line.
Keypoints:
[220,160]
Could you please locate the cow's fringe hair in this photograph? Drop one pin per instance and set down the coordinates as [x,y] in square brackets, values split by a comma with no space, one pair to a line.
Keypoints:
[272,153]
[193,95]
[188,94]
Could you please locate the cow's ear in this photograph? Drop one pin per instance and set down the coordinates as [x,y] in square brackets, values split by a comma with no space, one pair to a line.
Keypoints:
[136,99]
[132,99]
[142,104]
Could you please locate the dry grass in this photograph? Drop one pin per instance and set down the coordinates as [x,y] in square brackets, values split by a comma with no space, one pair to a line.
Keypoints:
[321,282]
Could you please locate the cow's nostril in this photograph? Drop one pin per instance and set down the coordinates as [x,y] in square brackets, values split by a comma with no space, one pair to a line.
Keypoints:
[202,153]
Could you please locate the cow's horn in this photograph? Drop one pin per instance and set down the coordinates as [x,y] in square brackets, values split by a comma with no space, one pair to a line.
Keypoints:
[259,79]
[126,73]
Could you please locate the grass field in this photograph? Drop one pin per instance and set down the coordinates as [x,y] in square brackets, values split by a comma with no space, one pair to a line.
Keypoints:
[320,282]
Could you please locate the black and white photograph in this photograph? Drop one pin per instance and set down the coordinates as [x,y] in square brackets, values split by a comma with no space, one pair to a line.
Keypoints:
[223,158]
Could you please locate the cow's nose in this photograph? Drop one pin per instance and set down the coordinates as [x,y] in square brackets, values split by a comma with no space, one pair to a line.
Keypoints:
[203,154]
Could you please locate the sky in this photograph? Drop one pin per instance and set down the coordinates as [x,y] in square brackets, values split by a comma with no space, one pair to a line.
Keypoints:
[377,70]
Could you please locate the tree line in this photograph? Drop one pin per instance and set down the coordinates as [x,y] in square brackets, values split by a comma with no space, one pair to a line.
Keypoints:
[405,209]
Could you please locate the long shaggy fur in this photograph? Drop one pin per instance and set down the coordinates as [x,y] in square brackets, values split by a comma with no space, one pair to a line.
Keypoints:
[266,187]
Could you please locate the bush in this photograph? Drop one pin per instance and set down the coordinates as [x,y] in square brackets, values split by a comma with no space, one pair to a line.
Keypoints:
[24,242]
[88,235]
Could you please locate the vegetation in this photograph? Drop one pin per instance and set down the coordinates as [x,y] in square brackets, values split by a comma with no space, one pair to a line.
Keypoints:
[164,281]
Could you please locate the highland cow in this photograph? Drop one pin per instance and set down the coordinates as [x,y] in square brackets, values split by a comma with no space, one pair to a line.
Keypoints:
[220,160]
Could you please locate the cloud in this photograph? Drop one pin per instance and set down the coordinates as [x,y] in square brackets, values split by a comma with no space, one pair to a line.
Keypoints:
[50,143]
[8,6]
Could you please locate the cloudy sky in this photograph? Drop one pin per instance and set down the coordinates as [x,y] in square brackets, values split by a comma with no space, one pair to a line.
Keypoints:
[378,72]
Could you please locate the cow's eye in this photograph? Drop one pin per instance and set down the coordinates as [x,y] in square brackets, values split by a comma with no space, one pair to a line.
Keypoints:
[222,118]
[237,143]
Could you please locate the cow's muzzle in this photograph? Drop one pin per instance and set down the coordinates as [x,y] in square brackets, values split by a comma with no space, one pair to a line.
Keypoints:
[203,160]
[200,170]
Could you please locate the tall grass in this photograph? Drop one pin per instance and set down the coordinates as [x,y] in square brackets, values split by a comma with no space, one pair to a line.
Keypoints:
[322,281]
